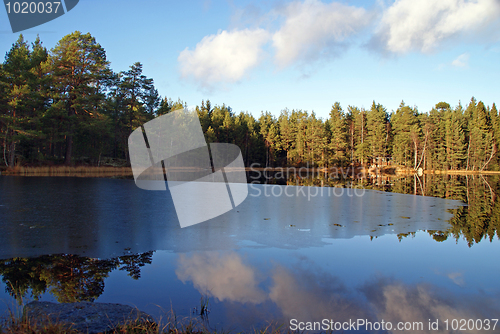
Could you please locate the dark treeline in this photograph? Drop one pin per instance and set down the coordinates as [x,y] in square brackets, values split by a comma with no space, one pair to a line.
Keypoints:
[67,106]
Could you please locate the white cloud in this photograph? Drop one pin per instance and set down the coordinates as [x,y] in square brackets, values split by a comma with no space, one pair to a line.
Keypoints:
[423,25]
[461,61]
[224,57]
[303,32]
[313,30]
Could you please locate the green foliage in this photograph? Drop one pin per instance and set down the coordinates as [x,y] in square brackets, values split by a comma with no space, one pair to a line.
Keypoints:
[407,135]
[80,71]
[481,148]
[377,134]
[336,128]
[23,88]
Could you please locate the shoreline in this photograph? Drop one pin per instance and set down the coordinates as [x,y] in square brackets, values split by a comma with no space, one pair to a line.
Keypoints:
[69,171]
[126,172]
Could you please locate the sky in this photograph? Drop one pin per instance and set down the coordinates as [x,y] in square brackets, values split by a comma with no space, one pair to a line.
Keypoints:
[270,55]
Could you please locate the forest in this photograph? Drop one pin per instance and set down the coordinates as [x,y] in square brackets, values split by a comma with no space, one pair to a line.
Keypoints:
[66,106]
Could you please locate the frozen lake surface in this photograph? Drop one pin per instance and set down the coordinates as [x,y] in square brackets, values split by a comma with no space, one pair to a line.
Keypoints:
[286,254]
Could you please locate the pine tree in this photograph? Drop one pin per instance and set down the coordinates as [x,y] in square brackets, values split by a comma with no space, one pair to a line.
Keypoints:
[406,135]
[287,134]
[316,141]
[139,98]
[377,135]
[358,134]
[481,142]
[338,141]
[457,144]
[495,122]
[297,126]
[80,71]
[24,97]
[270,133]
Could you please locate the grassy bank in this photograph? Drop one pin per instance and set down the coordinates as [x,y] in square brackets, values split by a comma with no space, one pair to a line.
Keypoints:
[29,325]
[126,172]
[79,171]
[445,172]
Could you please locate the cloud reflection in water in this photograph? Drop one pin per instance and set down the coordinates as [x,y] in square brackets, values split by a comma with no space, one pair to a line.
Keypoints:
[222,275]
[307,292]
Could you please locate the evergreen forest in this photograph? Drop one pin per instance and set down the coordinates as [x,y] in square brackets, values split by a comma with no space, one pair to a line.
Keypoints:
[66,106]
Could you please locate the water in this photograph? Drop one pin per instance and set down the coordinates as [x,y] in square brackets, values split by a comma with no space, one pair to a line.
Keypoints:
[315,256]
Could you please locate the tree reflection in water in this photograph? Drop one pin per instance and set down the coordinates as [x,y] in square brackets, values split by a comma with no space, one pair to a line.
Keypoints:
[69,278]
[479,220]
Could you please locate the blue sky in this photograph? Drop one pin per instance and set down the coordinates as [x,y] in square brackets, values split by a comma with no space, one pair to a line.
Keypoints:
[269,55]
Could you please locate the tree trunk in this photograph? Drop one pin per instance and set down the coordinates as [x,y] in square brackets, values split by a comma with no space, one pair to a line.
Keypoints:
[246,148]
[69,148]
[69,137]
[12,155]
[493,151]
[5,149]
[468,151]
[362,139]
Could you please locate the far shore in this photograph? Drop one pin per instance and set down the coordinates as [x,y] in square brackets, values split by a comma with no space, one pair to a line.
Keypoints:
[70,171]
[126,172]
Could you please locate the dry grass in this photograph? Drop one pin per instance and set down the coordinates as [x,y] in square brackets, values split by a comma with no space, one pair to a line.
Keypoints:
[80,171]
[34,326]
[448,172]
[109,171]
[464,172]
[29,325]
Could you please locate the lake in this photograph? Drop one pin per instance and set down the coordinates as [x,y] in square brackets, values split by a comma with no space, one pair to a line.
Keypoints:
[367,254]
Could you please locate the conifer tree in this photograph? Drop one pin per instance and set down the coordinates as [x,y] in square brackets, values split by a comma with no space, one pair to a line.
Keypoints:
[377,136]
[337,126]
[270,133]
[358,134]
[80,71]
[481,143]
[23,100]
[406,135]
[288,134]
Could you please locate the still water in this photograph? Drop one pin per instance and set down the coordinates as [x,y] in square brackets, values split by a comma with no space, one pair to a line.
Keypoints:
[287,255]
